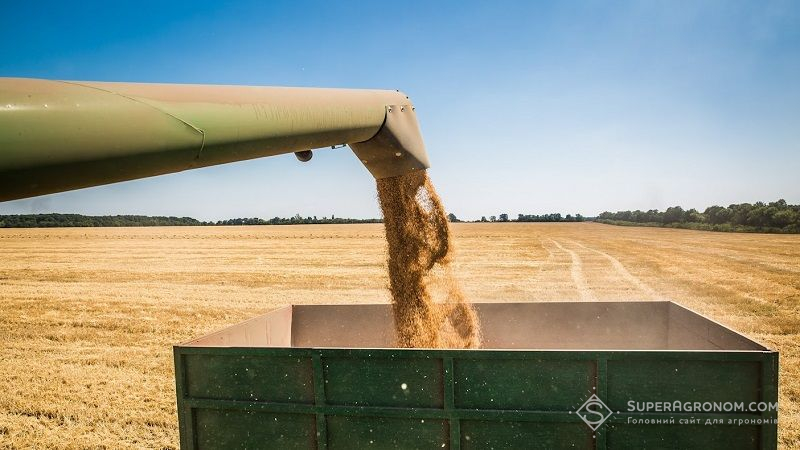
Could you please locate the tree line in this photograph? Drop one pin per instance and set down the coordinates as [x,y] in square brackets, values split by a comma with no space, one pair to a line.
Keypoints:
[79,220]
[554,217]
[295,220]
[773,217]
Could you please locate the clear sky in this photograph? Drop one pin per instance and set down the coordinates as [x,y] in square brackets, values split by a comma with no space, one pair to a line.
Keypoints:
[526,107]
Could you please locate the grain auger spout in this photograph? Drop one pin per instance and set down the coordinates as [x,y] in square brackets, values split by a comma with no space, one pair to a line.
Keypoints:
[62,135]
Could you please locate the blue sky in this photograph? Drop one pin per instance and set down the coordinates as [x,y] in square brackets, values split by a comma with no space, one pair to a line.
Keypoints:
[526,107]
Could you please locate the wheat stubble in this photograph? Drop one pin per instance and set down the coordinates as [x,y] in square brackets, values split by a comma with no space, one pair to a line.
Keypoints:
[430,310]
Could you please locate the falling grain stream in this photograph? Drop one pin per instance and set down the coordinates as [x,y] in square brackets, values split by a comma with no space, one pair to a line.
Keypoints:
[430,310]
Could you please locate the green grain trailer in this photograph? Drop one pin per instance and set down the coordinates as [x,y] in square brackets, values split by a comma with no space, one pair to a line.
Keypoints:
[550,376]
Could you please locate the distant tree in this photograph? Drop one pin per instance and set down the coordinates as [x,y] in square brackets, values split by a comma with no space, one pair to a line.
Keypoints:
[492,219]
[452,218]
[740,213]
[483,219]
[760,215]
[716,215]
[785,217]
[671,215]
[692,216]
[503,218]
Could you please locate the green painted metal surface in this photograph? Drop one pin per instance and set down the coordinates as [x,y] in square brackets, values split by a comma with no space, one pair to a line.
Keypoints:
[62,135]
[353,398]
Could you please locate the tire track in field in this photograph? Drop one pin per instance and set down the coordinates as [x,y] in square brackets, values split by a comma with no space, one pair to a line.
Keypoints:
[623,272]
[576,271]
[549,260]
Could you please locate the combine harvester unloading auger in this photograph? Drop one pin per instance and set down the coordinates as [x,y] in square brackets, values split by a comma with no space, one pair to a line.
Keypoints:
[548,375]
[61,135]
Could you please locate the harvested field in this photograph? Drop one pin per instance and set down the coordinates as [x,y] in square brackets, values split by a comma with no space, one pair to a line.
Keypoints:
[90,315]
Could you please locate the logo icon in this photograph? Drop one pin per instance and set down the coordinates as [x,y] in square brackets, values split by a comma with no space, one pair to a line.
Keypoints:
[594,412]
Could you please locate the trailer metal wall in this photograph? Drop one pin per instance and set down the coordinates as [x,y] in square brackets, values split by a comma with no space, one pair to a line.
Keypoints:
[232,395]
